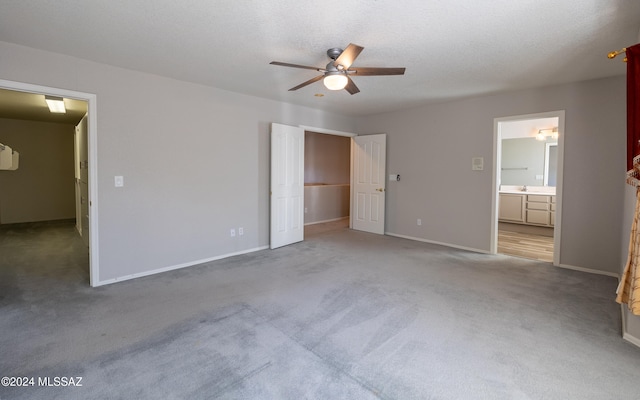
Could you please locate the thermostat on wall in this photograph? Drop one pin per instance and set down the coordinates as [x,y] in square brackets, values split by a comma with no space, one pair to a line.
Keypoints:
[477,163]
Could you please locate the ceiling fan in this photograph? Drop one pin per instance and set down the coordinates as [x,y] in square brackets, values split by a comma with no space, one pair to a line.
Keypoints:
[337,74]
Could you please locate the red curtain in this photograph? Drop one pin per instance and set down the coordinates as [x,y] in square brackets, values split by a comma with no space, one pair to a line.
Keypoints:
[629,288]
[633,104]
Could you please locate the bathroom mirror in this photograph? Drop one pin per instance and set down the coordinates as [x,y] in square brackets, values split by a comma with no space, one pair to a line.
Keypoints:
[529,162]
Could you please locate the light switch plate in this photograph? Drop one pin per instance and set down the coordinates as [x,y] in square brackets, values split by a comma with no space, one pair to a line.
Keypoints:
[477,163]
[118,181]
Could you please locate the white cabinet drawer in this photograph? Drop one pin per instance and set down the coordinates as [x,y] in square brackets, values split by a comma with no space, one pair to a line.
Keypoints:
[538,206]
[538,217]
[538,198]
[553,207]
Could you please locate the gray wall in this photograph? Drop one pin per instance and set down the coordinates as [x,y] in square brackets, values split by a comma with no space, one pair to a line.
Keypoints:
[193,167]
[432,147]
[327,158]
[42,188]
[324,203]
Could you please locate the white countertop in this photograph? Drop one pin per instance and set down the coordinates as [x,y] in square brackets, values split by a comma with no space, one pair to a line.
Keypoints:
[541,190]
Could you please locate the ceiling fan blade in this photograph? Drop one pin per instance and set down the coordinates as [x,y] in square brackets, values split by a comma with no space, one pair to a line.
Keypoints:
[282,64]
[351,87]
[372,71]
[348,56]
[309,82]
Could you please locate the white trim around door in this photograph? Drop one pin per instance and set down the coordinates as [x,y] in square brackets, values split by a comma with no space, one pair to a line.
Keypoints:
[497,148]
[91,99]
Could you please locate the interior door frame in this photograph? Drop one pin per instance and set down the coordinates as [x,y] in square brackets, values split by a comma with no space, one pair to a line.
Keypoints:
[91,99]
[497,149]
[345,134]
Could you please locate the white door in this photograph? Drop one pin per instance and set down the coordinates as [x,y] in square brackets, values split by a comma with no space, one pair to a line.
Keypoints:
[369,162]
[287,185]
[82,178]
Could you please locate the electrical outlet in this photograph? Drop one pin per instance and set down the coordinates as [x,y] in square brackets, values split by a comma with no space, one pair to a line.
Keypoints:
[419,222]
[306,210]
[118,181]
[240,231]
[232,233]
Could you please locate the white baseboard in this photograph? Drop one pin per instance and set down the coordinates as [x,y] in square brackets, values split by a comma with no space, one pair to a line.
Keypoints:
[631,339]
[326,220]
[626,335]
[438,243]
[581,269]
[589,270]
[173,267]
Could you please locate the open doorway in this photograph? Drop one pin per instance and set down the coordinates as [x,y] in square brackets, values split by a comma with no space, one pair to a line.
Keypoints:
[367,161]
[528,160]
[327,176]
[24,102]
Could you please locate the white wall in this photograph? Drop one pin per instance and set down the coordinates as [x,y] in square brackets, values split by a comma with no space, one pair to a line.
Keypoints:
[195,160]
[432,147]
[42,188]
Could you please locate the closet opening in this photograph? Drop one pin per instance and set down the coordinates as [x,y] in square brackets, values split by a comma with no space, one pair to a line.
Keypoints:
[54,184]
[327,181]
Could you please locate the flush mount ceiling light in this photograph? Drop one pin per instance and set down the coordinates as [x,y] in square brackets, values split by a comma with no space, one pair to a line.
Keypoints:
[56,104]
[543,134]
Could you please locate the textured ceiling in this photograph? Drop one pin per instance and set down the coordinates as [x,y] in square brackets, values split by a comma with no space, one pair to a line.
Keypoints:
[451,49]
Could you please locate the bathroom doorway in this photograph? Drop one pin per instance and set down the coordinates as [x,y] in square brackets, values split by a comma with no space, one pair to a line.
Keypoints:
[528,161]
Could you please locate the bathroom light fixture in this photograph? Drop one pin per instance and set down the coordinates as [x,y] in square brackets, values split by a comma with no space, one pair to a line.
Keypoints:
[56,104]
[335,80]
[543,134]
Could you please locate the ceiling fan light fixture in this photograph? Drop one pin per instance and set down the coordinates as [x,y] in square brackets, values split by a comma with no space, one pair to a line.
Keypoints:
[56,104]
[335,80]
[336,75]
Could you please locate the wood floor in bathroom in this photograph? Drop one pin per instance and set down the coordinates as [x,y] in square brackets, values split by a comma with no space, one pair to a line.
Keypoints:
[518,244]
[525,245]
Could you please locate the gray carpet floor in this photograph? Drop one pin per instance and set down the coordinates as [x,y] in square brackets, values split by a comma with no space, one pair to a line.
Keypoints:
[342,315]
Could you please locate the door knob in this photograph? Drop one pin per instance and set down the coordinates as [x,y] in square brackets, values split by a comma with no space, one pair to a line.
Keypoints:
[380,190]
